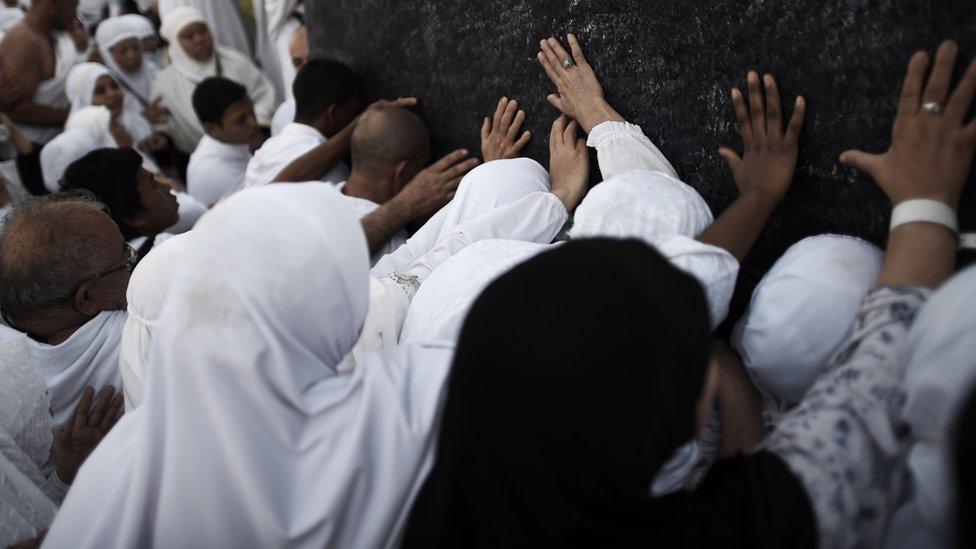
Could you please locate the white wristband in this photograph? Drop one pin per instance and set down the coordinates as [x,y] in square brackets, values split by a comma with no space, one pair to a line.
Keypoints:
[929,211]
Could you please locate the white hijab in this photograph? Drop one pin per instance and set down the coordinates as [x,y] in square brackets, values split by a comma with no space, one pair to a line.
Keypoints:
[26,507]
[95,121]
[244,400]
[665,213]
[80,87]
[61,152]
[146,294]
[109,34]
[940,375]
[802,312]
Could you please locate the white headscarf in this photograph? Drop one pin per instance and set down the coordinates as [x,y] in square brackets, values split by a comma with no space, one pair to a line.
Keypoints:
[95,121]
[940,375]
[802,311]
[80,87]
[243,397]
[61,152]
[142,26]
[146,294]
[8,18]
[665,213]
[109,34]
[173,23]
[91,10]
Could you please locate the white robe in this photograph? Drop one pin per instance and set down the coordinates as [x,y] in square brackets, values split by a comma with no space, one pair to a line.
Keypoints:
[244,398]
[363,207]
[216,170]
[29,488]
[175,84]
[278,152]
[88,358]
[802,312]
[50,93]
[274,25]
[283,116]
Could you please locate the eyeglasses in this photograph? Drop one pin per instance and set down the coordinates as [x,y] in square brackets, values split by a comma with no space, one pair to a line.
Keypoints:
[129,265]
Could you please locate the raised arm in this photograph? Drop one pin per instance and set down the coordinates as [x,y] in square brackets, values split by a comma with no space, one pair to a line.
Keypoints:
[846,438]
[764,171]
[320,160]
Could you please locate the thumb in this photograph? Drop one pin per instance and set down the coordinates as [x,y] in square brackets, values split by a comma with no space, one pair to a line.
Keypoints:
[731,157]
[861,160]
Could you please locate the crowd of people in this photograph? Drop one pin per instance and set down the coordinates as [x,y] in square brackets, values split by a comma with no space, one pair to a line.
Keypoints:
[242,308]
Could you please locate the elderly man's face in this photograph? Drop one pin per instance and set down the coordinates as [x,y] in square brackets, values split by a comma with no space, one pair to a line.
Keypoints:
[105,293]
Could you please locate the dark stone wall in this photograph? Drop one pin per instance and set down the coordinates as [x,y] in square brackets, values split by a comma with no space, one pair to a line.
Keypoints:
[667,65]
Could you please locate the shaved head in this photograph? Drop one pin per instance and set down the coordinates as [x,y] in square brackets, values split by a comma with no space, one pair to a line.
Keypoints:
[387,136]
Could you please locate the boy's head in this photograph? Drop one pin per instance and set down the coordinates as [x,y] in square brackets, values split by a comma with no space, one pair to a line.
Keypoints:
[138,204]
[327,95]
[225,110]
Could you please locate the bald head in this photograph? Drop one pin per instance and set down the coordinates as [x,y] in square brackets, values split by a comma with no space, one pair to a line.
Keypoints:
[48,246]
[387,136]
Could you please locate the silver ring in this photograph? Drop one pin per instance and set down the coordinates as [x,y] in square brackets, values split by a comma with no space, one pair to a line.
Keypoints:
[568,63]
[933,107]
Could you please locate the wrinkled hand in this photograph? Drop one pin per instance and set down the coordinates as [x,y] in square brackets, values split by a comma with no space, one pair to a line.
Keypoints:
[122,136]
[579,93]
[155,112]
[930,155]
[500,134]
[79,437]
[569,163]
[11,89]
[435,186]
[769,154]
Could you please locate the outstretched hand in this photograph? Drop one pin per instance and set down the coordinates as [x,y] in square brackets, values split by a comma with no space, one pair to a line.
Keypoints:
[569,162]
[931,151]
[769,154]
[500,134]
[435,186]
[579,94]
[79,437]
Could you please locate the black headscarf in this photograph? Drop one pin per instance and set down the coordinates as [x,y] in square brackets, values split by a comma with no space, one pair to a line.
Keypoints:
[575,378]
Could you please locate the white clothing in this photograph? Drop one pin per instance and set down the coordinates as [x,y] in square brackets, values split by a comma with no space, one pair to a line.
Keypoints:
[224,18]
[190,210]
[483,189]
[278,152]
[29,488]
[88,358]
[282,43]
[622,147]
[802,312]
[90,11]
[216,170]
[283,116]
[109,34]
[244,398]
[940,376]
[175,84]
[8,18]
[146,294]
[363,207]
[50,93]
[61,152]
[97,121]
[271,18]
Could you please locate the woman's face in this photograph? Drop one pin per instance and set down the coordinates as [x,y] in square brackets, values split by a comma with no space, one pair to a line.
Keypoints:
[128,54]
[108,94]
[196,41]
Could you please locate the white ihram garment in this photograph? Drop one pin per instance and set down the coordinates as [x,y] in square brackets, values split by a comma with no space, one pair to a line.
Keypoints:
[61,152]
[216,170]
[50,93]
[281,150]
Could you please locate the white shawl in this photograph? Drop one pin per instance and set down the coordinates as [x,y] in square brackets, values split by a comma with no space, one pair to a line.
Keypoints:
[244,398]
[109,34]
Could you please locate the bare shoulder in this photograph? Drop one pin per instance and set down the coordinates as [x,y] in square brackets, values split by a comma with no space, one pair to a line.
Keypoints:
[22,41]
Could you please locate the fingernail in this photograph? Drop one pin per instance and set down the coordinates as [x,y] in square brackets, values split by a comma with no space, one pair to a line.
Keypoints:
[768,78]
[753,76]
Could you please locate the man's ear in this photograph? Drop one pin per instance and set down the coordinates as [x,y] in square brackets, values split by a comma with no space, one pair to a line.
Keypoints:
[212,129]
[84,300]
[400,171]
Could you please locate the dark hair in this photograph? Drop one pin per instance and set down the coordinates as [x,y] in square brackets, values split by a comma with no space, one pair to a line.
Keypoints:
[213,96]
[320,83]
[112,176]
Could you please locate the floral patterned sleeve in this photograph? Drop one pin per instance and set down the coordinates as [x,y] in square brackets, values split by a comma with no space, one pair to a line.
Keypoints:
[845,441]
